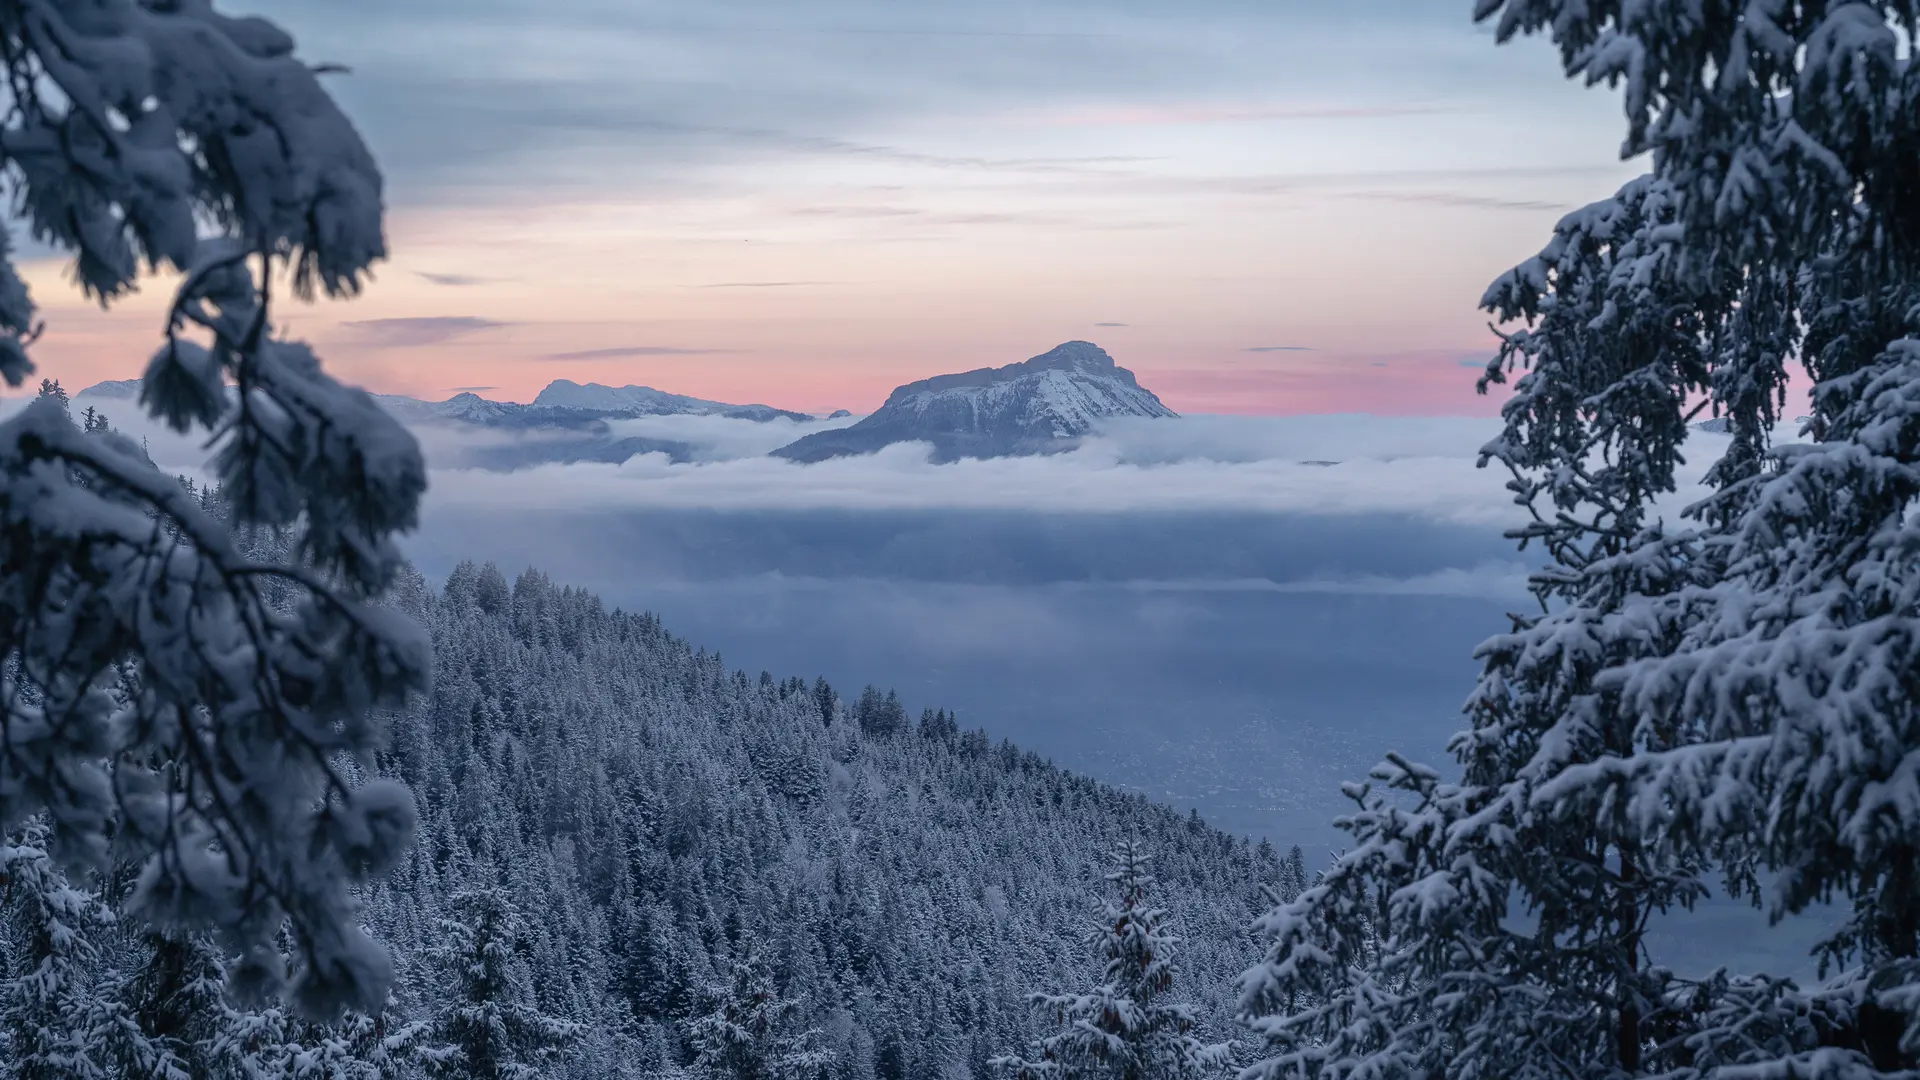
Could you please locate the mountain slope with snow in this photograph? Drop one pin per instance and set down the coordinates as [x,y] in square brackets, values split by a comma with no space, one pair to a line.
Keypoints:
[646,401]
[1039,406]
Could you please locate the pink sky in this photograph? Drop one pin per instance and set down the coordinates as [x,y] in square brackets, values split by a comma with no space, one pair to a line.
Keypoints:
[1252,305]
[1258,211]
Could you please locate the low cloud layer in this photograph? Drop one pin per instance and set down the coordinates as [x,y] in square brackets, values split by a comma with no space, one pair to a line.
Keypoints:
[1330,466]
[1325,465]
[1180,607]
[1321,465]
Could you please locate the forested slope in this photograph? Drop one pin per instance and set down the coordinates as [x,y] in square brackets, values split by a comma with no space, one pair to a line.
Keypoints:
[656,817]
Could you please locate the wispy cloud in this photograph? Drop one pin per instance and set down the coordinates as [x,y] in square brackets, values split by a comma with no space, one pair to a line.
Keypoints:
[893,216]
[424,330]
[1280,348]
[629,350]
[1109,324]
[455,280]
[761,284]
[1391,185]
[1143,115]
[888,31]
[471,389]
[1458,200]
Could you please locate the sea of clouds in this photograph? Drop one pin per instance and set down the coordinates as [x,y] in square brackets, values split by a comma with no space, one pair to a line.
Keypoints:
[1200,609]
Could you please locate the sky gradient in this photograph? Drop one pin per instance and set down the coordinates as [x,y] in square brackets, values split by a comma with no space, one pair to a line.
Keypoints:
[1259,207]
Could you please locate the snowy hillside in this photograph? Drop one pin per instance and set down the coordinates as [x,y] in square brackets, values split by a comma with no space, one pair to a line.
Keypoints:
[667,815]
[1038,406]
[113,390]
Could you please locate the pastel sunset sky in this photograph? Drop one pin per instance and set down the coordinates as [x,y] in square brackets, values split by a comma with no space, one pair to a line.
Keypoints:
[1261,206]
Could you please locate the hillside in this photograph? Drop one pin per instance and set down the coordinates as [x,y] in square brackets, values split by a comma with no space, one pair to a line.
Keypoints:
[661,815]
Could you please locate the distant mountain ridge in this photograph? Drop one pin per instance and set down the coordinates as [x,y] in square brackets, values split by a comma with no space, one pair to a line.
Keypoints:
[560,405]
[1038,406]
[566,423]
[566,404]
[646,401]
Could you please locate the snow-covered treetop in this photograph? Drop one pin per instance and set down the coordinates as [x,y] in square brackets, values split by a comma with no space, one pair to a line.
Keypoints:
[1770,114]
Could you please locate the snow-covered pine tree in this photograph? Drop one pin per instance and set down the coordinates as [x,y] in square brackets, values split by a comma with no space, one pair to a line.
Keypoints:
[273,1045]
[1781,705]
[177,997]
[1437,872]
[44,998]
[748,1031]
[489,1028]
[50,389]
[1735,695]
[59,1017]
[169,135]
[1128,1027]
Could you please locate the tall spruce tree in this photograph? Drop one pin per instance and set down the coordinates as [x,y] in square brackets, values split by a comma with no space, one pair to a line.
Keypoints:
[62,1008]
[1732,694]
[749,1031]
[490,1028]
[1128,1027]
[47,983]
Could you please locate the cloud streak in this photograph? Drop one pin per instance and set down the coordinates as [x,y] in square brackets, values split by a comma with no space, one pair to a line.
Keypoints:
[1182,114]
[412,332]
[762,284]
[621,351]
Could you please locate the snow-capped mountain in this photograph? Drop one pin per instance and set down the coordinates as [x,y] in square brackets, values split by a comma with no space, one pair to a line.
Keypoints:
[646,401]
[566,423]
[1042,405]
[113,390]
[569,405]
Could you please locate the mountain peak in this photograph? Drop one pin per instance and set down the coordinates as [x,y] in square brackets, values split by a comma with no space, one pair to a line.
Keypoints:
[646,401]
[1041,405]
[1079,354]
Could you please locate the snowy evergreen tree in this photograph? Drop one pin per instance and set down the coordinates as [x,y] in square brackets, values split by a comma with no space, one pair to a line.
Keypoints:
[272,1045]
[165,135]
[1732,695]
[491,1029]
[60,1010]
[46,996]
[50,389]
[178,997]
[750,1032]
[1128,1027]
